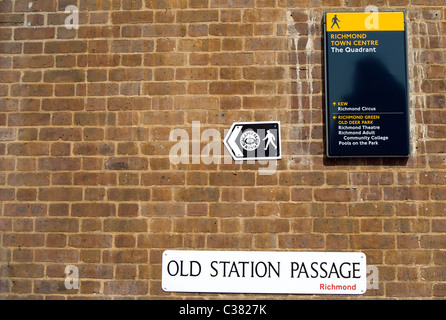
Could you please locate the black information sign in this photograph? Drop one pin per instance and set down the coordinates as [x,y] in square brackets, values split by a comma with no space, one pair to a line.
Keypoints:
[366,86]
[254,140]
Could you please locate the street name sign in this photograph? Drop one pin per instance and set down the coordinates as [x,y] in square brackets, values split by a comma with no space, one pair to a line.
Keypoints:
[366,84]
[264,272]
[254,140]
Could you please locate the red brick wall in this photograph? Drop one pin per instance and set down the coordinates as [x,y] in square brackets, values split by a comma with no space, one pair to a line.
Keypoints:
[85,119]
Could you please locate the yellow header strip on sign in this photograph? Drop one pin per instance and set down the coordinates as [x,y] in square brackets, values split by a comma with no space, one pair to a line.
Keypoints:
[365,21]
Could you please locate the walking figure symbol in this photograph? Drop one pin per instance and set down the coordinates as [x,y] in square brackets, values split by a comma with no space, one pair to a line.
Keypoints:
[269,139]
[335,21]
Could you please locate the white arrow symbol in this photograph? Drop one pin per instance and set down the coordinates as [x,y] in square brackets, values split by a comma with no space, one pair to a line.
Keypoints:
[231,141]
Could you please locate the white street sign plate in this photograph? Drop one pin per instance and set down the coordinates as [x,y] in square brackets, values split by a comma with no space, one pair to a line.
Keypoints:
[254,141]
[264,272]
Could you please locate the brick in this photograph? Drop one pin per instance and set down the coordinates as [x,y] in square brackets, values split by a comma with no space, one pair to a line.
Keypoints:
[90,241]
[406,193]
[127,17]
[128,194]
[60,194]
[28,119]
[232,59]
[64,134]
[162,178]
[298,178]
[263,15]
[25,209]
[402,289]
[371,209]
[433,241]
[232,4]
[173,88]
[7,134]
[93,148]
[191,16]
[96,32]
[164,59]
[159,240]
[22,270]
[197,225]
[266,226]
[23,240]
[57,255]
[94,179]
[164,30]
[7,164]
[336,195]
[28,149]
[264,73]
[231,88]
[164,209]
[35,6]
[34,34]
[301,241]
[125,225]
[122,104]
[52,47]
[267,194]
[5,286]
[93,210]
[64,76]
[126,288]
[232,179]
[59,164]
[127,134]
[28,179]
[231,30]
[373,241]
[9,76]
[231,210]
[62,104]
[31,90]
[220,241]
[197,194]
[266,44]
[121,46]
[196,74]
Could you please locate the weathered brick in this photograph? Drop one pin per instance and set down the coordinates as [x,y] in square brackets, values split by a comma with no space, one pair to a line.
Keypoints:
[93,210]
[90,241]
[126,288]
[23,240]
[59,164]
[125,225]
[60,194]
[28,179]
[126,17]
[64,76]
[29,119]
[65,46]
[34,34]
[31,90]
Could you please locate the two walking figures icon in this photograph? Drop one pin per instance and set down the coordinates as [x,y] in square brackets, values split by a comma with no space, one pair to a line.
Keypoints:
[335,21]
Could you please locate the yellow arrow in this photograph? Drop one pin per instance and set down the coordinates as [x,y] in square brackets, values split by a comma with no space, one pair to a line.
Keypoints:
[334,117]
[334,103]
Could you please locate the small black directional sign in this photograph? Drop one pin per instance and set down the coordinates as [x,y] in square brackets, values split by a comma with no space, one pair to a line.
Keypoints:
[254,141]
